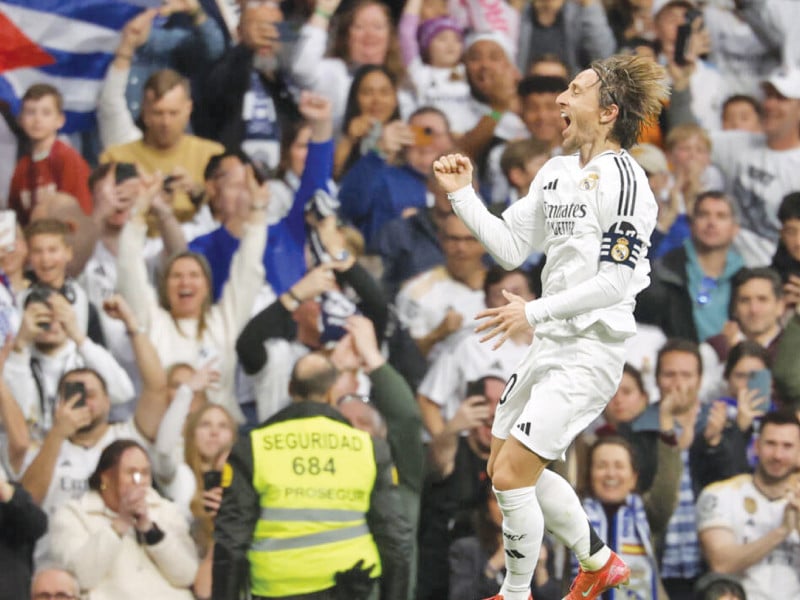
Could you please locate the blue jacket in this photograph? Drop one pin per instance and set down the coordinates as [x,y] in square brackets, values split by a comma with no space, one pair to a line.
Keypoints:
[373,193]
[284,258]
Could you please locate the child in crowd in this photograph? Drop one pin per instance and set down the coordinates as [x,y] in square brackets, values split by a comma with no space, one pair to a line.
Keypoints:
[743,113]
[49,165]
[49,253]
[432,51]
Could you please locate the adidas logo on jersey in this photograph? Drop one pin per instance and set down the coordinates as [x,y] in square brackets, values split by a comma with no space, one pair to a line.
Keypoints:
[552,185]
[525,428]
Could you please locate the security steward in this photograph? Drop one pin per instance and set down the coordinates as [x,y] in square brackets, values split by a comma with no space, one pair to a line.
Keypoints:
[310,508]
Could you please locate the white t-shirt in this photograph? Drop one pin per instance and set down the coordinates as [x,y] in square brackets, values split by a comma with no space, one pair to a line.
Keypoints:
[758,178]
[739,55]
[445,89]
[71,474]
[737,505]
[424,300]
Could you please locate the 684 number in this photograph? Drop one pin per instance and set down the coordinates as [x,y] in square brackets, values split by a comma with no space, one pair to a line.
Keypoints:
[312,465]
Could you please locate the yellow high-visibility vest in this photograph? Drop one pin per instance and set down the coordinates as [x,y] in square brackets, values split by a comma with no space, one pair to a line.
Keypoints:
[314,477]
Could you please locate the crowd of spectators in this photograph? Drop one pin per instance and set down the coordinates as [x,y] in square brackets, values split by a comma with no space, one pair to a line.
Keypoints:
[263,190]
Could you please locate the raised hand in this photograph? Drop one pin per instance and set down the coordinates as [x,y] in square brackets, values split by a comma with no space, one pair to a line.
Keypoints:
[116,308]
[365,341]
[473,412]
[453,172]
[136,31]
[314,107]
[747,407]
[717,418]
[64,313]
[505,321]
[206,376]
[259,196]
[317,280]
[151,187]
[68,419]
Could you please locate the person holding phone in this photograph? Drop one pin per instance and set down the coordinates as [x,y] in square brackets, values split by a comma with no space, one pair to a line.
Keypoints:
[209,437]
[122,539]
[726,447]
[683,40]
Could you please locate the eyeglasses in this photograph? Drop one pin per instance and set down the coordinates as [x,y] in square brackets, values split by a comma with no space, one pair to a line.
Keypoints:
[54,596]
[707,287]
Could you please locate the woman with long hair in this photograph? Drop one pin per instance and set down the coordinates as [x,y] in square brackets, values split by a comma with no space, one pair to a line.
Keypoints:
[371,104]
[181,319]
[364,34]
[209,436]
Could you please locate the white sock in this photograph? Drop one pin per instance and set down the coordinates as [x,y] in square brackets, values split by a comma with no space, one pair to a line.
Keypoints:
[523,528]
[565,517]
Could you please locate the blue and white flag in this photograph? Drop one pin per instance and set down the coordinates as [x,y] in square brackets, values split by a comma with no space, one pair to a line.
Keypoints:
[66,43]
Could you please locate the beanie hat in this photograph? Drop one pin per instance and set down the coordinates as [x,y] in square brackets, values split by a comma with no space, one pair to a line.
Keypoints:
[430,28]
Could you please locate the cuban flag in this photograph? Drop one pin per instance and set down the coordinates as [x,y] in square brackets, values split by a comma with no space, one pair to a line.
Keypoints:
[66,43]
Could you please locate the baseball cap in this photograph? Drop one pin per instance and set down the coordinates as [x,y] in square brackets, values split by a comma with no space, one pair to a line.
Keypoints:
[786,80]
[497,37]
[650,158]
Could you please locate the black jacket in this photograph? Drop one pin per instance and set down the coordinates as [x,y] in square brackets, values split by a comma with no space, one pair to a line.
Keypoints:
[222,97]
[666,302]
[21,524]
[240,511]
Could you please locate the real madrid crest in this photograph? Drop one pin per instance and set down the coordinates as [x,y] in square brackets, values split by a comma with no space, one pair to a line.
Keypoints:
[589,182]
[750,505]
[621,249]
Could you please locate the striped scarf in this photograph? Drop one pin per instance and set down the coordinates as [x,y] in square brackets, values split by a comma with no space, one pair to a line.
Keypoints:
[681,548]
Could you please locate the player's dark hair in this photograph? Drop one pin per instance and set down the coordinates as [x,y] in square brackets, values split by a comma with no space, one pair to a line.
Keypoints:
[636,374]
[496,274]
[679,345]
[741,98]
[781,416]
[541,84]
[744,349]
[790,207]
[716,195]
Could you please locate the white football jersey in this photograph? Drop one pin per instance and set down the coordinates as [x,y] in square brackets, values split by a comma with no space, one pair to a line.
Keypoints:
[581,217]
[737,505]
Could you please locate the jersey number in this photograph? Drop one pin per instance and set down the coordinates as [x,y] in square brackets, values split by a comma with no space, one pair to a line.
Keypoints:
[509,386]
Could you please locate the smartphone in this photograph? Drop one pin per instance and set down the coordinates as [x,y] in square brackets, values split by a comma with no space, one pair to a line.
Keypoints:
[761,381]
[8,230]
[423,136]
[684,36]
[476,388]
[75,387]
[125,171]
[212,479]
[168,181]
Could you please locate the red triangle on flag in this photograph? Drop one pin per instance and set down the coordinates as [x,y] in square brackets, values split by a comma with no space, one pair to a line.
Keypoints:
[17,50]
